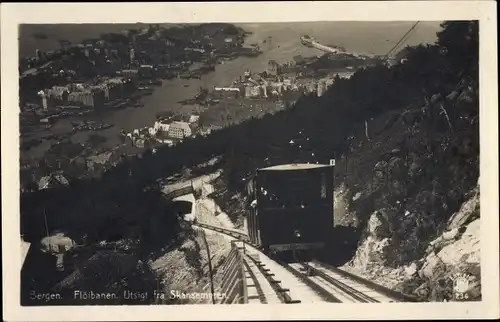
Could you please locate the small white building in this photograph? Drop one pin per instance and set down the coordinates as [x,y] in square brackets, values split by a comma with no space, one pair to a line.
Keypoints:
[153,131]
[162,126]
[194,119]
[226,89]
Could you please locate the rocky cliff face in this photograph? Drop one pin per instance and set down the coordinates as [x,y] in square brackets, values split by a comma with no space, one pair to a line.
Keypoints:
[418,202]
[455,251]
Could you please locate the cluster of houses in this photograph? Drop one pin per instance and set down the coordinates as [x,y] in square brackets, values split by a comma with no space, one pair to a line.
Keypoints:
[165,131]
[89,95]
[274,84]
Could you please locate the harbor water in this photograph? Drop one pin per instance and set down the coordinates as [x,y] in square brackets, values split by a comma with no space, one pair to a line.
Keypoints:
[278,41]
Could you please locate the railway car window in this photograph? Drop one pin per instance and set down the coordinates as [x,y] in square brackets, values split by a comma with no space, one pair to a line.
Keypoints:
[292,190]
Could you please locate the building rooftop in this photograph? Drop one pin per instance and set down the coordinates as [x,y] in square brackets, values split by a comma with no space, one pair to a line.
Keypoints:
[294,166]
[194,118]
[180,125]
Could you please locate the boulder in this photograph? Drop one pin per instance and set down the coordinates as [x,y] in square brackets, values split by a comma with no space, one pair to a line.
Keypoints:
[465,250]
[433,266]
[379,226]
[450,234]
[411,270]
[467,211]
[372,251]
[356,196]
[446,238]
[422,291]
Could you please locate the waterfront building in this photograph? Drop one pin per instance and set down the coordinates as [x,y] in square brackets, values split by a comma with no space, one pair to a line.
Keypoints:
[179,130]
[38,55]
[248,91]
[113,88]
[43,96]
[132,54]
[162,125]
[139,143]
[58,93]
[146,71]
[227,91]
[87,97]
[273,68]
[129,73]
[321,88]
[153,131]
[194,119]
[253,91]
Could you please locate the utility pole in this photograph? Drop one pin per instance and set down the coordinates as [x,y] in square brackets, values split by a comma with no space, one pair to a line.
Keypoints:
[46,228]
[209,264]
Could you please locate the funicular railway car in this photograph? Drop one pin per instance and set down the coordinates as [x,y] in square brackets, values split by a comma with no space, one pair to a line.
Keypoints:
[291,207]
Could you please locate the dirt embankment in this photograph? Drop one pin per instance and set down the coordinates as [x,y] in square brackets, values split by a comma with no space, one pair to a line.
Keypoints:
[185,268]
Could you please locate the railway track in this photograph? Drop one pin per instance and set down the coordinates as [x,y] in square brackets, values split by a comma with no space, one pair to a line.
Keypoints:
[335,287]
[260,286]
[327,282]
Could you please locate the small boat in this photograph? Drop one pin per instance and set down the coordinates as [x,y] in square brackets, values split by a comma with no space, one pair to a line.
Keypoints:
[186,85]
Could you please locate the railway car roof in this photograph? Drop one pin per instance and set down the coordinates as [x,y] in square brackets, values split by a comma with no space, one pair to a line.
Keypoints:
[294,166]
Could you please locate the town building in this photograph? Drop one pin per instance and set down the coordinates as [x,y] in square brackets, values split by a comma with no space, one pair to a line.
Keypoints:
[253,91]
[227,91]
[179,130]
[43,97]
[132,54]
[194,120]
[146,71]
[273,68]
[113,88]
[129,73]
[58,92]
[93,98]
[55,179]
[162,125]
[321,88]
